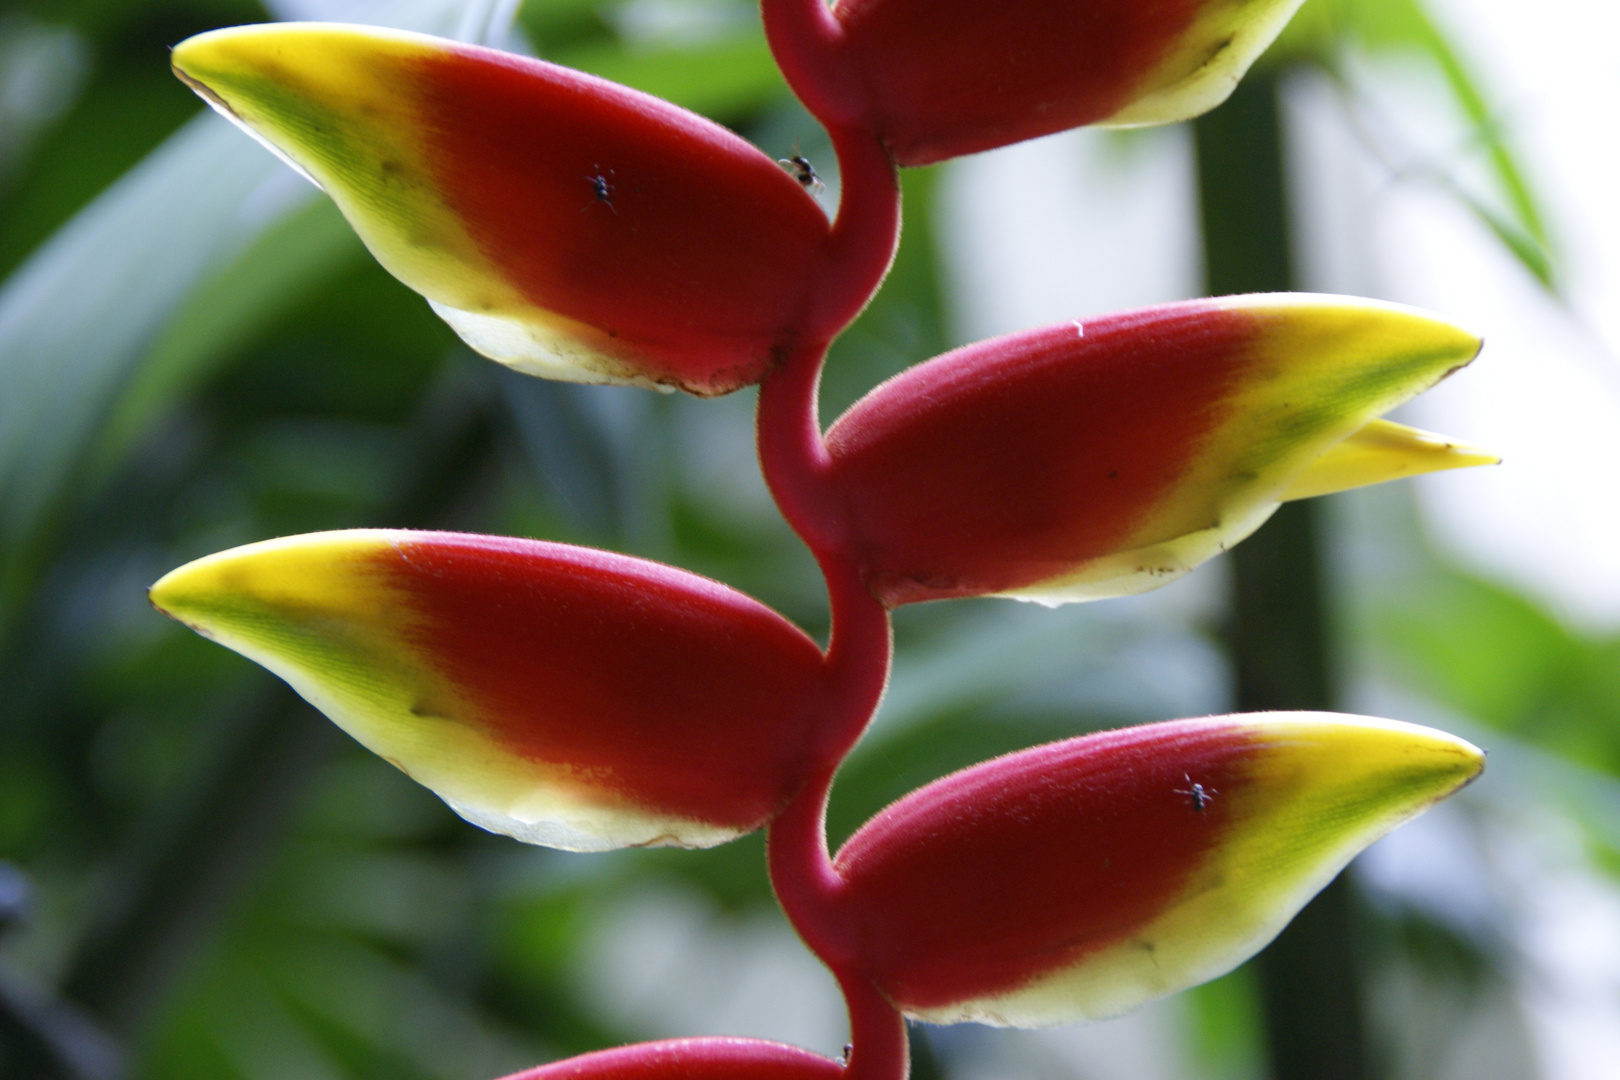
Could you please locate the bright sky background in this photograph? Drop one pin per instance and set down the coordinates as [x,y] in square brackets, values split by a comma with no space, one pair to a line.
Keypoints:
[1546,393]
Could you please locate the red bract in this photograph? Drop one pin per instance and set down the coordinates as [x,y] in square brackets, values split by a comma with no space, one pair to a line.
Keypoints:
[565,696]
[1082,878]
[1100,459]
[692,1059]
[939,78]
[562,224]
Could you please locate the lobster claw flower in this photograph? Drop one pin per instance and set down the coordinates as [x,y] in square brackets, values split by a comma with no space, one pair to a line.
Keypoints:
[941,78]
[1079,879]
[564,225]
[564,696]
[1082,461]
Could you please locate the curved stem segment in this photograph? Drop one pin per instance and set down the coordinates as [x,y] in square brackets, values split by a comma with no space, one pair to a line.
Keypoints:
[798,470]
[804,38]
[859,251]
[865,234]
[792,456]
[877,1032]
[806,882]
[857,658]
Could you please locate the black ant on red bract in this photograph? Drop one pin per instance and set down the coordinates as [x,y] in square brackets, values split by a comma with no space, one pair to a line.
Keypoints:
[798,166]
[601,190]
[1200,795]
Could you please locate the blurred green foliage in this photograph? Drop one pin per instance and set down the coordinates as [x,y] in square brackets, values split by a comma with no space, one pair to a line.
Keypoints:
[1325,31]
[1493,655]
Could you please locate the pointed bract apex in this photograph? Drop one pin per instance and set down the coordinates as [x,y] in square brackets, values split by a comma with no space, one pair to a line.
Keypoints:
[949,77]
[562,224]
[1383,450]
[1080,879]
[561,695]
[1082,462]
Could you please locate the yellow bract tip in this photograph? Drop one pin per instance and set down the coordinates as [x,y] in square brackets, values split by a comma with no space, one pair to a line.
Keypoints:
[1380,451]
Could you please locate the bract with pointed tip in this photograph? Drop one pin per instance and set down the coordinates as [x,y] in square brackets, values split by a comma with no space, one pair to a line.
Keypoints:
[1079,879]
[561,695]
[562,224]
[949,77]
[1082,461]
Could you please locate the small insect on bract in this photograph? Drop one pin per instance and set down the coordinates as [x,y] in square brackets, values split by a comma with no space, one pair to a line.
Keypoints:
[601,189]
[799,167]
[1200,795]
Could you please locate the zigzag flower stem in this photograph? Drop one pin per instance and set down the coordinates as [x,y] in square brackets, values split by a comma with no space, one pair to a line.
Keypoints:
[796,467]
[859,252]
[801,870]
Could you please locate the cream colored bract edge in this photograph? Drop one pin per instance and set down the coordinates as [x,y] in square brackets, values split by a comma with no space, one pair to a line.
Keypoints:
[542,344]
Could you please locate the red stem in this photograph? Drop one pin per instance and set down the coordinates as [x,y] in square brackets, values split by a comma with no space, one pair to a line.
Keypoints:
[865,234]
[806,882]
[805,38]
[877,1032]
[857,658]
[860,250]
[792,456]
[798,470]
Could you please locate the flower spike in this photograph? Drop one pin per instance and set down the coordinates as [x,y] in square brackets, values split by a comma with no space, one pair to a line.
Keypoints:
[1080,879]
[1105,458]
[562,224]
[561,695]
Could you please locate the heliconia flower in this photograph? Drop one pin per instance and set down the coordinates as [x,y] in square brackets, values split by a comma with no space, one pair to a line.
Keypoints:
[1106,458]
[948,77]
[1079,879]
[561,695]
[692,1059]
[564,225]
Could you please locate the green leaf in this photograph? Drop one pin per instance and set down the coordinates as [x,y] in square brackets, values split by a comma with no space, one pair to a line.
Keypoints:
[1495,656]
[131,279]
[291,261]
[79,314]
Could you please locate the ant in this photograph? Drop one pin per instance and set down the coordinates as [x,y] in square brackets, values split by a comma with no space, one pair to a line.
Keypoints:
[1200,795]
[799,167]
[601,190]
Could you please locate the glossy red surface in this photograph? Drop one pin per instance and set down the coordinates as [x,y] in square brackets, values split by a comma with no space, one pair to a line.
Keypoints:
[1016,460]
[675,238]
[1021,866]
[665,688]
[692,1059]
[950,77]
